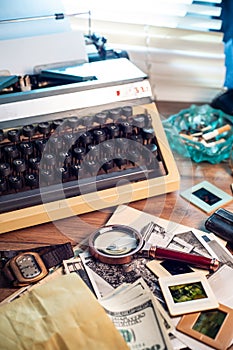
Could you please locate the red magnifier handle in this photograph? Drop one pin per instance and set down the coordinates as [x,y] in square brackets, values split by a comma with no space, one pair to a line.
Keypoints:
[191,259]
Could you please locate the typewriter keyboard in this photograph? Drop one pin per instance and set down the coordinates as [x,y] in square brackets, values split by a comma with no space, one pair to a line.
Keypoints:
[82,153]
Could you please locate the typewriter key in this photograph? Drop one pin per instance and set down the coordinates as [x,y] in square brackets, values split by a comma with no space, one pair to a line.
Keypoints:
[113,130]
[126,128]
[122,144]
[139,121]
[91,167]
[152,148]
[49,159]
[107,148]
[11,152]
[120,160]
[86,121]
[19,165]
[148,134]
[13,135]
[26,148]
[127,111]
[40,145]
[78,153]
[75,169]
[62,173]
[65,157]
[29,131]
[44,128]
[46,177]
[69,139]
[99,135]
[16,182]
[31,180]
[5,169]
[85,138]
[73,122]
[56,143]
[34,163]
[115,114]
[101,118]
[108,164]
[1,135]
[56,123]
[137,138]
[3,185]
[93,151]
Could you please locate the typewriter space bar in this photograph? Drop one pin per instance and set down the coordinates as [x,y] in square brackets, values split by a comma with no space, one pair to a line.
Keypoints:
[60,191]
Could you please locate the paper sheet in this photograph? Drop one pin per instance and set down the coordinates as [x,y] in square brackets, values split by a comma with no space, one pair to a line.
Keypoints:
[61,314]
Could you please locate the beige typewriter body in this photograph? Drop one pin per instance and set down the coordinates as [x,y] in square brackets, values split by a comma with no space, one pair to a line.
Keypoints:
[119,83]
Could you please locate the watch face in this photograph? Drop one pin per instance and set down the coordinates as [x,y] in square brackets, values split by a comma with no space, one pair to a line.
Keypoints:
[28,266]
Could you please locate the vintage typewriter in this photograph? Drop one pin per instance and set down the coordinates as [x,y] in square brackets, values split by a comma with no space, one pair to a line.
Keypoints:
[88,141]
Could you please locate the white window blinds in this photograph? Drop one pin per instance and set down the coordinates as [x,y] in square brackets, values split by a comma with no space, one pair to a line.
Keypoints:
[176,42]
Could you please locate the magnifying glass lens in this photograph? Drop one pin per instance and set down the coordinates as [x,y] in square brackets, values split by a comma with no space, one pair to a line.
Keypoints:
[116,242]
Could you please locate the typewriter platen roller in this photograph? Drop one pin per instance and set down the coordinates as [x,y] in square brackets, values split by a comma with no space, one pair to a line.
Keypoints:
[80,147]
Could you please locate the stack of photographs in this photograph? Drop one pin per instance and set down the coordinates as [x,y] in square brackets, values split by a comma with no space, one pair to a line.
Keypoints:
[185,296]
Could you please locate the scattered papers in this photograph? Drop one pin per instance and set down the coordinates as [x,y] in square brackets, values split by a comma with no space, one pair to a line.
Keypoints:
[61,314]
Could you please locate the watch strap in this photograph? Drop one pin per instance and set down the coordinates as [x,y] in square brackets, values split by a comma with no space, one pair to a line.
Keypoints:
[57,254]
[8,275]
[51,255]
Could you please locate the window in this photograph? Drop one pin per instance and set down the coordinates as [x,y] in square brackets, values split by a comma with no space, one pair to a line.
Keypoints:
[200,15]
[177,43]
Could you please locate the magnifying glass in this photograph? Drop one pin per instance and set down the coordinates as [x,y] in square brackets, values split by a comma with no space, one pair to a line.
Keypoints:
[119,244]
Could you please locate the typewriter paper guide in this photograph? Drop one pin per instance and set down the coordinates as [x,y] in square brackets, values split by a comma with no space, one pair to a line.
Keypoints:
[46,318]
[22,55]
[43,40]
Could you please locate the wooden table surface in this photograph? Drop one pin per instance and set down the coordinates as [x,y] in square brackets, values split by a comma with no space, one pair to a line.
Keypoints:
[168,206]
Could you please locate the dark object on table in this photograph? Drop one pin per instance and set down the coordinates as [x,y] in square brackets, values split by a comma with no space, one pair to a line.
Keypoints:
[221,223]
[224,102]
